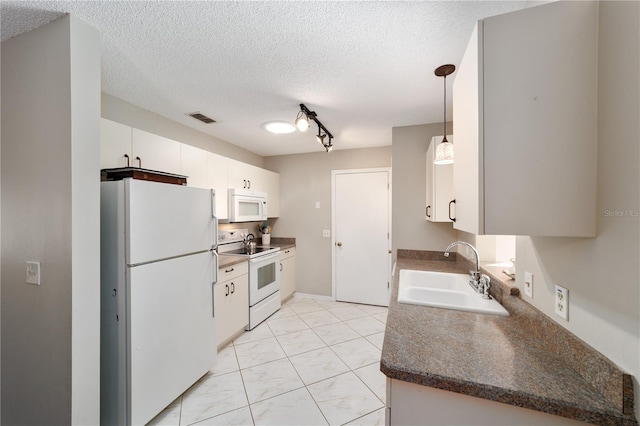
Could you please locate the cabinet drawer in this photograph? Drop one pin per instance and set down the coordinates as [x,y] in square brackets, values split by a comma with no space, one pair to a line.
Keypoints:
[231,272]
[287,253]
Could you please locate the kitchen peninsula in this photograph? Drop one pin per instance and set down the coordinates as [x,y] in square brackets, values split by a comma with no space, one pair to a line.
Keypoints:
[524,360]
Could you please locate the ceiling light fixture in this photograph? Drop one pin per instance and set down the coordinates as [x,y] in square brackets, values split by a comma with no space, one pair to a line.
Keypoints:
[302,123]
[279,127]
[444,151]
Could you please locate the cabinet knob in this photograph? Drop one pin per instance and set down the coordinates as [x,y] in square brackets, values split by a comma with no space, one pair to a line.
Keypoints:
[339,244]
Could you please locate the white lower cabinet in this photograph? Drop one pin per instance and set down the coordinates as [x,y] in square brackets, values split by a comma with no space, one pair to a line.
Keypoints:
[231,301]
[287,273]
[412,404]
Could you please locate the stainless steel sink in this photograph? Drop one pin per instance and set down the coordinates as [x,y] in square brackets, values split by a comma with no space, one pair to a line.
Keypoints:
[444,290]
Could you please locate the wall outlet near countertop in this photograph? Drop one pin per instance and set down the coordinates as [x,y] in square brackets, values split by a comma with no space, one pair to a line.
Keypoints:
[326,233]
[528,284]
[562,302]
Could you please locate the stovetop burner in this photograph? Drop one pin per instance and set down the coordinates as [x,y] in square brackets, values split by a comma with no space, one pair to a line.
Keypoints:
[231,242]
[242,251]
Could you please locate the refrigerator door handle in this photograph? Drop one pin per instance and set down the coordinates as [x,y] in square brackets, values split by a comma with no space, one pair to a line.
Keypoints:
[215,266]
[213,283]
[215,219]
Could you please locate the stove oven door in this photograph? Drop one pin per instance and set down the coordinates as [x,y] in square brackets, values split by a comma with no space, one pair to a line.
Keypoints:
[264,276]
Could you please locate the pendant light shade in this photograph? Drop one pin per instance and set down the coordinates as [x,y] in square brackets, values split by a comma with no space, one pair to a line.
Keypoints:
[444,151]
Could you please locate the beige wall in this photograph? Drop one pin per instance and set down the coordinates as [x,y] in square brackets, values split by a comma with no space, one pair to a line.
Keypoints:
[305,179]
[118,110]
[410,228]
[602,273]
[51,214]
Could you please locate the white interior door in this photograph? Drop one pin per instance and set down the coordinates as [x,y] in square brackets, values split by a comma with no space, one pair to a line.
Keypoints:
[362,235]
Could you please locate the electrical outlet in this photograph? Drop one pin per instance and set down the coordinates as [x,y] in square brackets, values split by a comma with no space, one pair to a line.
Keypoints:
[562,302]
[33,273]
[528,284]
[326,233]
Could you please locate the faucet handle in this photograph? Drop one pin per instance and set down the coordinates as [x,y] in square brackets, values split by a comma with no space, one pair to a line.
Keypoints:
[474,275]
[485,284]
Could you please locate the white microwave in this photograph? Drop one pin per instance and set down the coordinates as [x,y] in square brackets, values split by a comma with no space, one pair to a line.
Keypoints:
[246,205]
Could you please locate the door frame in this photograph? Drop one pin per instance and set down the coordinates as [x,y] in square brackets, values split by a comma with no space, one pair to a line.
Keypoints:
[334,173]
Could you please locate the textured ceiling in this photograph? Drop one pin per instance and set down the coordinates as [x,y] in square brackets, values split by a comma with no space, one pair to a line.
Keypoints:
[363,67]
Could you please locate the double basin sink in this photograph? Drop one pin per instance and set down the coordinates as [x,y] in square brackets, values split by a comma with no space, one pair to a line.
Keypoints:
[444,290]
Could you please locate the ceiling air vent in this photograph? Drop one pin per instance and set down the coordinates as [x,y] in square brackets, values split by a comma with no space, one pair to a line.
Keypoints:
[202,117]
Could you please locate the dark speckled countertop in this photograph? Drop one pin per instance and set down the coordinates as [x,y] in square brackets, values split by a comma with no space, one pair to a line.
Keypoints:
[524,360]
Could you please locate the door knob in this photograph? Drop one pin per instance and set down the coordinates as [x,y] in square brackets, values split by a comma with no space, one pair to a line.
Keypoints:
[339,244]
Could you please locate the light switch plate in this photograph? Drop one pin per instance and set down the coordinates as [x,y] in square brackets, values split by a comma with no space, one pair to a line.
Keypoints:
[562,302]
[528,284]
[33,273]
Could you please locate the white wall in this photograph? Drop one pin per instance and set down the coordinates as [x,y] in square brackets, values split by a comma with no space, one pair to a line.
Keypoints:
[126,113]
[50,214]
[410,228]
[305,179]
[601,273]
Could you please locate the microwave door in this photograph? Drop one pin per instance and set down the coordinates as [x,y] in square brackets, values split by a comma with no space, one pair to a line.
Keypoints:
[250,208]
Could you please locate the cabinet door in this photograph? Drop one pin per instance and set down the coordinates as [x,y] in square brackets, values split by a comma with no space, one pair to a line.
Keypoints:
[232,307]
[115,144]
[155,152]
[540,120]
[218,179]
[442,185]
[467,126]
[287,277]
[242,176]
[194,165]
[272,188]
[429,209]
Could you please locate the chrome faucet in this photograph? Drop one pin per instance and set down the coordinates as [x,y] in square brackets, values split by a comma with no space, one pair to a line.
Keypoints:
[480,283]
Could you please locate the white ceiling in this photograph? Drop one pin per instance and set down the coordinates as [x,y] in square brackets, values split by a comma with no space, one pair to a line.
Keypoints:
[362,66]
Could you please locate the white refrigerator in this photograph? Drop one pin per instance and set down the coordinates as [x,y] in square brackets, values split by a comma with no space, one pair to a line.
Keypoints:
[158,268]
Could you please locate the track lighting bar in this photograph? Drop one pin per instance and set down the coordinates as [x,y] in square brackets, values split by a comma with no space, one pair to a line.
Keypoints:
[313,116]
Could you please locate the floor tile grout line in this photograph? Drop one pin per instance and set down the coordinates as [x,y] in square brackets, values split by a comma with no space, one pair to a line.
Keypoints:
[288,357]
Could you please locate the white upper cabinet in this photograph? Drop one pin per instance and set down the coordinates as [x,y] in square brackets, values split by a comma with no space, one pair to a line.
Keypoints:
[439,185]
[115,144]
[246,176]
[122,146]
[525,121]
[218,178]
[193,165]
[155,152]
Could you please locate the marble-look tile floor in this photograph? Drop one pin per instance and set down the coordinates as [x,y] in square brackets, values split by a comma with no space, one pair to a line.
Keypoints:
[314,362]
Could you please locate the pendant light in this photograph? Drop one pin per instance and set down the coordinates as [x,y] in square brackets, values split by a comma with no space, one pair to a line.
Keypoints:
[444,151]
